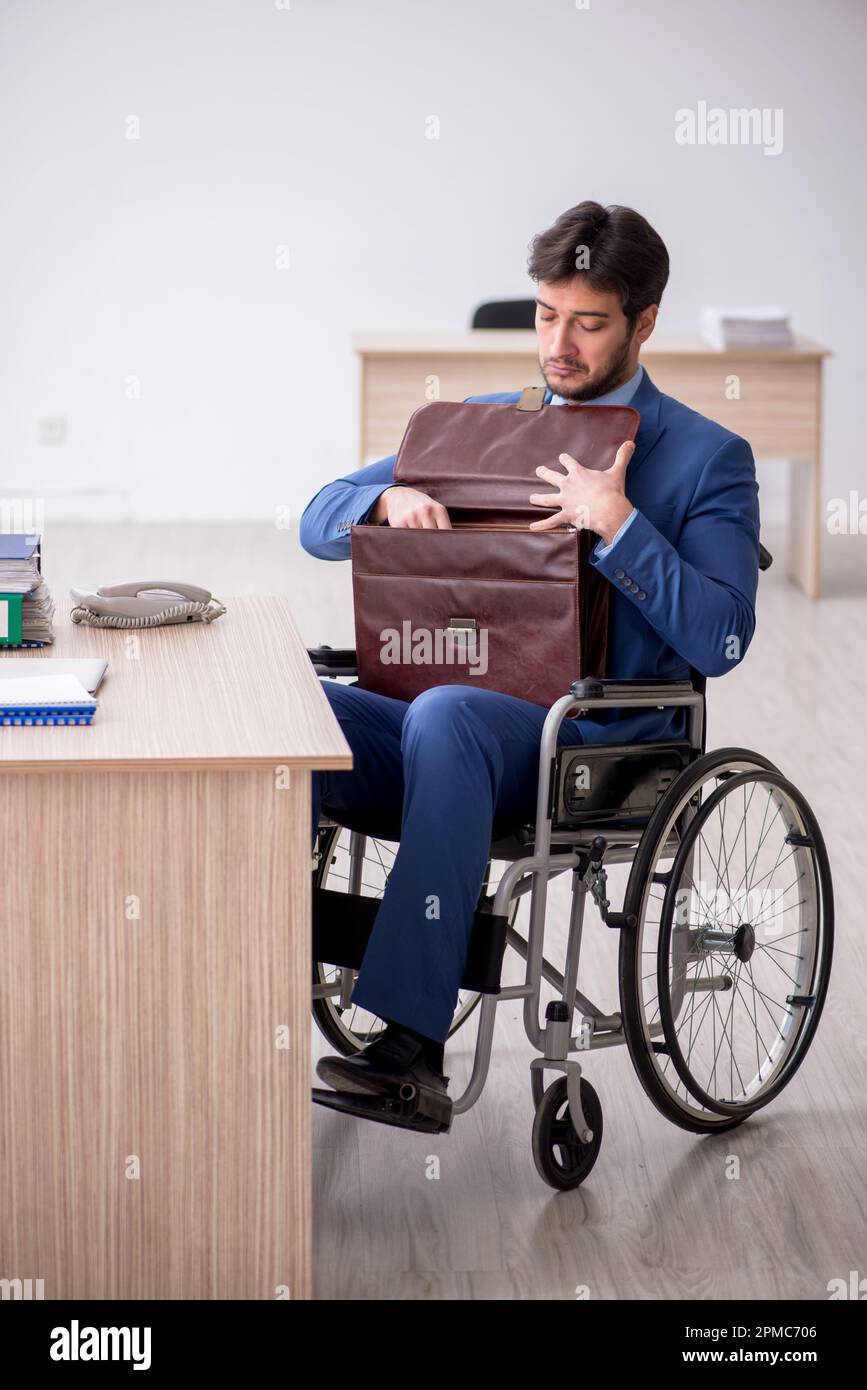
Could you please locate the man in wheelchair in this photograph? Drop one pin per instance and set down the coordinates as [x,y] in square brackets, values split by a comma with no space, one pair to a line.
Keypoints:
[678,524]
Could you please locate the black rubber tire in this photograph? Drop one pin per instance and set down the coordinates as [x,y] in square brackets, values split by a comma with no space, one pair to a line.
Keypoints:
[554,1133]
[822,966]
[323,1009]
[629,966]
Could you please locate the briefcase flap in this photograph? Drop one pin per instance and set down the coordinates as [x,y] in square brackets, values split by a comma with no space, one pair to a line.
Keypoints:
[479,459]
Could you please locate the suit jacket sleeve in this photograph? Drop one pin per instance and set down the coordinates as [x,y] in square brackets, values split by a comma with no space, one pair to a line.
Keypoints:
[325,521]
[700,595]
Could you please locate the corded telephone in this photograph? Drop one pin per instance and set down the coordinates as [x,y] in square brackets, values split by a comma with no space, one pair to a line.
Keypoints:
[144,603]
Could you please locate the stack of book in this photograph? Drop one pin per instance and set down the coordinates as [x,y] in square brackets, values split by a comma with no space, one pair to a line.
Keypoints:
[26,605]
[764,327]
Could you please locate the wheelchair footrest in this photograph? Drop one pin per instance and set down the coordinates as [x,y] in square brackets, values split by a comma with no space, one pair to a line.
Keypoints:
[386,1110]
[342,923]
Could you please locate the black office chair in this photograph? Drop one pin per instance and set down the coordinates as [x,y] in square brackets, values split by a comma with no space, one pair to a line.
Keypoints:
[506,313]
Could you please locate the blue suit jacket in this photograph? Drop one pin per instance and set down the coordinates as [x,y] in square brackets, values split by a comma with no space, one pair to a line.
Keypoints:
[683,574]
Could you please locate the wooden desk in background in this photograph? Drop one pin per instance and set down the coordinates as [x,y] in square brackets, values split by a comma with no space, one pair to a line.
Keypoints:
[779,411]
[155,1111]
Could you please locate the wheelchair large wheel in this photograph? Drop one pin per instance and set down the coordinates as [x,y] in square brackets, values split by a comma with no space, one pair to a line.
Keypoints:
[348,1029]
[745,943]
[699,972]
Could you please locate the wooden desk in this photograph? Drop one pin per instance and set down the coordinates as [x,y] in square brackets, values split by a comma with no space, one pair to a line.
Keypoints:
[779,410]
[155,1114]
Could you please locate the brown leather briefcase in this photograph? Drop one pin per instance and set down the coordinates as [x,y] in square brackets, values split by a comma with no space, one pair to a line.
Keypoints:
[488,603]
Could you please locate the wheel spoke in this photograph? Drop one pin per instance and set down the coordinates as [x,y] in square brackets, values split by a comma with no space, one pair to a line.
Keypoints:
[729,884]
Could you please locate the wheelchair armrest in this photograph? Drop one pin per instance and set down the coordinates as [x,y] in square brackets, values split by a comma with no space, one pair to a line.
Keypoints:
[594,693]
[329,661]
[599,693]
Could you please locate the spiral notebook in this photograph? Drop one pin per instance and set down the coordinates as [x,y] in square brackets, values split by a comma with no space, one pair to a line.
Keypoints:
[45,700]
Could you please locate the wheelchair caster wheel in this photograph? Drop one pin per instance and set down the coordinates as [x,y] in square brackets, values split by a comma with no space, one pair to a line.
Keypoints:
[562,1158]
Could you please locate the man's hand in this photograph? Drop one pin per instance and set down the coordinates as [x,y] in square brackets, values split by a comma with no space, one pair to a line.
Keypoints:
[587,498]
[404,506]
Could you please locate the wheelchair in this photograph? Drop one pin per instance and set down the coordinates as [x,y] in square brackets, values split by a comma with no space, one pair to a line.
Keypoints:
[725,927]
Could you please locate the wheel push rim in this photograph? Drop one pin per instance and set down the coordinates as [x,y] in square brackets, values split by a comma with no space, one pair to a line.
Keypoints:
[646,895]
[740,975]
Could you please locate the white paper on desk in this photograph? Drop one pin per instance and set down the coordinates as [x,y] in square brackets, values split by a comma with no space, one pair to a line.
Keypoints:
[759,326]
[88,669]
[44,690]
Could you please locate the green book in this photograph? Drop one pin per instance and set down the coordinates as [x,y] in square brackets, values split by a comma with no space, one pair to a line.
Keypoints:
[10,619]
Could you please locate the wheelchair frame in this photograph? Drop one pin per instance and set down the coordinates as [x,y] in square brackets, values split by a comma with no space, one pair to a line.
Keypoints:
[532,873]
[552,852]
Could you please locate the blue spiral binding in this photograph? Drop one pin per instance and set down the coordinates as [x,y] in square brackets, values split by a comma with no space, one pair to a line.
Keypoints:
[34,714]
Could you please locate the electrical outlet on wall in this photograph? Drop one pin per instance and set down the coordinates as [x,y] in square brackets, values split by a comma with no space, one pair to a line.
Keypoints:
[52,429]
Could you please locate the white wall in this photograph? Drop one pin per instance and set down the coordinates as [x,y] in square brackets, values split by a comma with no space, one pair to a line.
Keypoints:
[305,126]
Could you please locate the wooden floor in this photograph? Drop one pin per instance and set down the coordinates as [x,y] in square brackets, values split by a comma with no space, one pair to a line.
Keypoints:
[465,1215]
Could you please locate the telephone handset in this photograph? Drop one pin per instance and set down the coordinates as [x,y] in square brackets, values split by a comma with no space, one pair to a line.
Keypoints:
[144,603]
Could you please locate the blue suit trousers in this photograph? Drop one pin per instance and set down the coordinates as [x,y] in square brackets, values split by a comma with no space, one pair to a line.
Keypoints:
[444,774]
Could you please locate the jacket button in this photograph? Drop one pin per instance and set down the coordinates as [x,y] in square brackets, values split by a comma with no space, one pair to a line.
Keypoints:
[618,574]
[642,594]
[634,588]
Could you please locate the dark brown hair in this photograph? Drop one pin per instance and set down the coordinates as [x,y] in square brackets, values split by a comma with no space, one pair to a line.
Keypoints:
[624,254]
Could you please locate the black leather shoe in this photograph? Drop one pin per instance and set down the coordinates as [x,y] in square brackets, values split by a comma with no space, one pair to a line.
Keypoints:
[392,1066]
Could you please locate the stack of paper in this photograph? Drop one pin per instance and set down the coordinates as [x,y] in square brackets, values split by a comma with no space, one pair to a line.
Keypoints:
[45,700]
[763,327]
[20,573]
